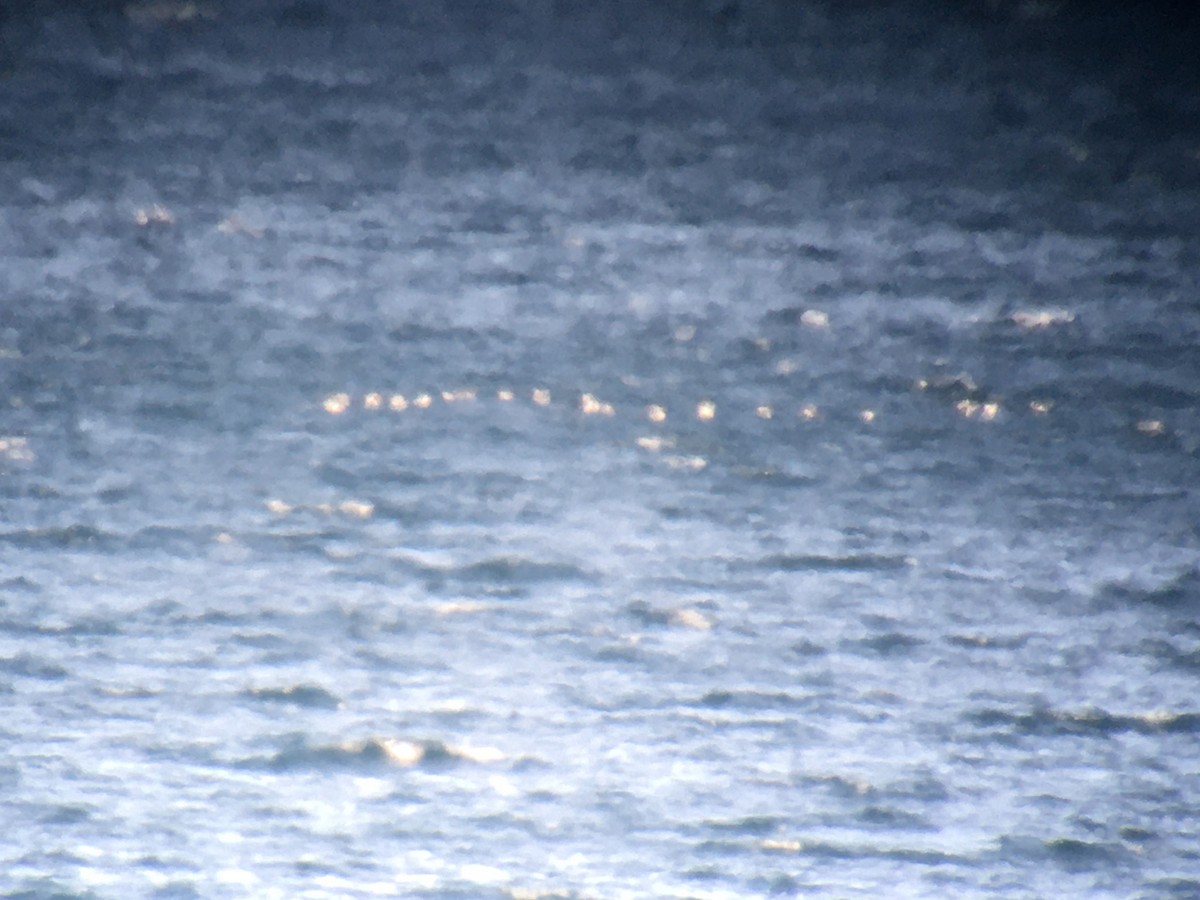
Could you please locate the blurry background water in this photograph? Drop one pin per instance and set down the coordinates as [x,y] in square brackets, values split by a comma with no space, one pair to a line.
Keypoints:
[615,450]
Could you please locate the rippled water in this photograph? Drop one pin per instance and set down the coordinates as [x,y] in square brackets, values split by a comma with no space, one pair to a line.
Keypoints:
[526,452]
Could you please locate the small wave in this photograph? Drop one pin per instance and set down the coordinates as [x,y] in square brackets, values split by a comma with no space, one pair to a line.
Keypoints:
[626,652]
[959,386]
[806,647]
[757,700]
[506,570]
[892,643]
[987,642]
[1072,854]
[753,825]
[309,696]
[1034,319]
[1087,723]
[839,785]
[373,753]
[170,413]
[1183,888]
[28,666]
[68,537]
[517,569]
[1168,653]
[66,814]
[339,477]
[891,818]
[816,562]
[177,541]
[831,850]
[87,627]
[778,479]
[304,542]
[20,584]
[1183,589]
[1136,835]
[679,617]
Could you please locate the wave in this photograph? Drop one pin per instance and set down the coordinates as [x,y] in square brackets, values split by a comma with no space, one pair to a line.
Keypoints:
[27,666]
[305,542]
[518,569]
[86,627]
[1086,723]
[818,562]
[1183,589]
[66,814]
[892,643]
[890,818]
[680,617]
[375,752]
[1168,653]
[1072,854]
[834,850]
[20,584]
[170,539]
[988,642]
[776,478]
[173,540]
[752,825]
[924,788]
[511,570]
[1183,888]
[170,413]
[309,696]
[64,537]
[744,699]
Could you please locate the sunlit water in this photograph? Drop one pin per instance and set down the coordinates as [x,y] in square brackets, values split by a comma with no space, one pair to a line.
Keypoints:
[621,453]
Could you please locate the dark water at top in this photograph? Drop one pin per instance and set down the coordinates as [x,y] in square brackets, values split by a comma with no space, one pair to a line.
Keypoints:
[523,451]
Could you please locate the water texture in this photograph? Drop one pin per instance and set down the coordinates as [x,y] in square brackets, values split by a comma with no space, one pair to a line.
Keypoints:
[517,450]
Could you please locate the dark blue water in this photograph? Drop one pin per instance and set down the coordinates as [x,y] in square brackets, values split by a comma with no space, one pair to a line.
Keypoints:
[524,451]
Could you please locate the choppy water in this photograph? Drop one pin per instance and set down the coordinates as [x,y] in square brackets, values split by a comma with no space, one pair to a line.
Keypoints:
[626,452]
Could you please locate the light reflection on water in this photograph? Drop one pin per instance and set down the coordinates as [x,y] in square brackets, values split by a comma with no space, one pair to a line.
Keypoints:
[581,470]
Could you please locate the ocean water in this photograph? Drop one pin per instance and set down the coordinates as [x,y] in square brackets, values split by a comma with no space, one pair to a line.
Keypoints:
[519,450]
